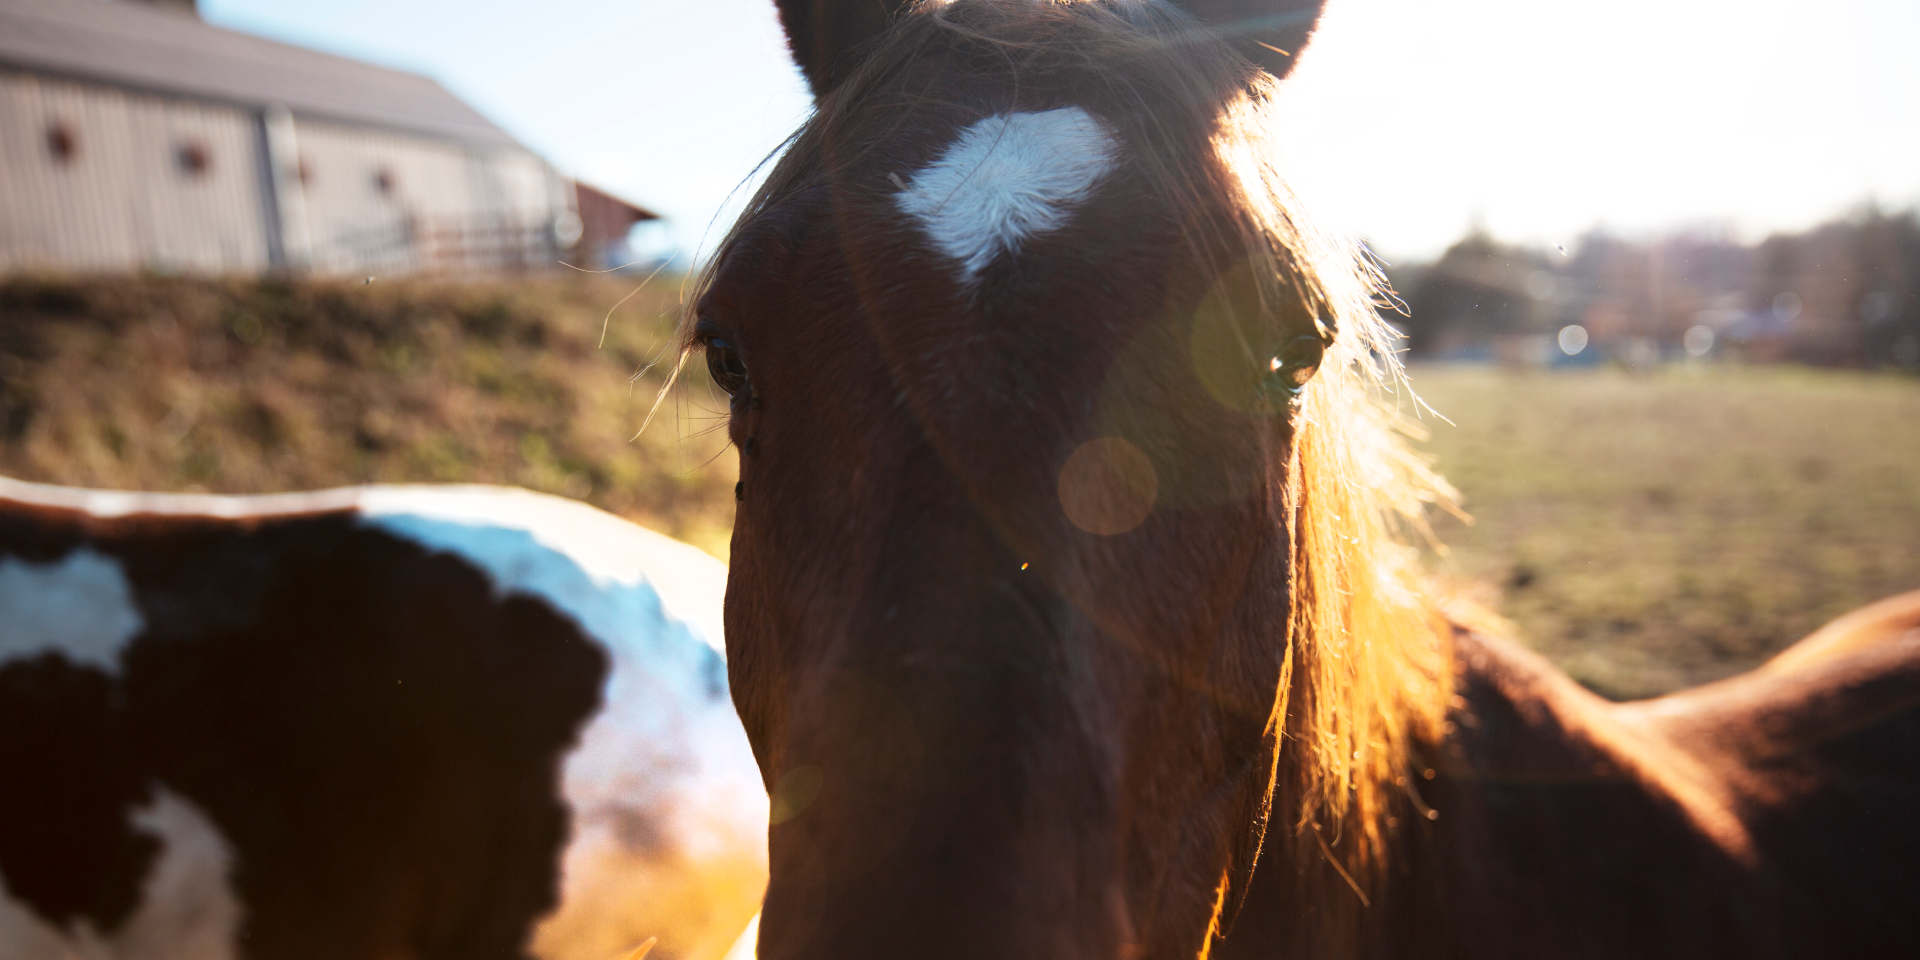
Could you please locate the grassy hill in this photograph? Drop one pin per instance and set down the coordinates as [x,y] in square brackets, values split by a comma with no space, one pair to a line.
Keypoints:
[248,386]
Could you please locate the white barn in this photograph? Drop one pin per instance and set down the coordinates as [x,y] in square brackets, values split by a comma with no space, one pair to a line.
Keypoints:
[135,136]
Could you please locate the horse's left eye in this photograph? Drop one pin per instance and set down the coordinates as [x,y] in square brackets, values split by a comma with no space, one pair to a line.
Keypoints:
[725,366]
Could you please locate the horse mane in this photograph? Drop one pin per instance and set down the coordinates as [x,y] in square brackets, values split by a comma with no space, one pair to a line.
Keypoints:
[1367,673]
[1368,670]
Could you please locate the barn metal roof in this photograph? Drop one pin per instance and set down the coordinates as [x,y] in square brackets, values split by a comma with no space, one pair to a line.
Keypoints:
[142,46]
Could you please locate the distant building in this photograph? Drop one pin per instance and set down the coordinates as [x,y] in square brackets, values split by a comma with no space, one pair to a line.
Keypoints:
[134,136]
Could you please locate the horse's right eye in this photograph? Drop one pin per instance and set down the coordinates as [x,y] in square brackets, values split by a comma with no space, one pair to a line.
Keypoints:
[724,365]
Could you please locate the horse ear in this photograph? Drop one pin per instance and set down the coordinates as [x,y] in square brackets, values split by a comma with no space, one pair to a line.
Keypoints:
[826,35]
[1271,33]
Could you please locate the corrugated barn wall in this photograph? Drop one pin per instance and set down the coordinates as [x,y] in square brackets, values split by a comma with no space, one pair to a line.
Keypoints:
[374,198]
[97,178]
[136,137]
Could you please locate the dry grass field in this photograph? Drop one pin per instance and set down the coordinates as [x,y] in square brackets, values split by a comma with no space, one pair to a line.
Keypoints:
[1645,532]
[1653,532]
[245,386]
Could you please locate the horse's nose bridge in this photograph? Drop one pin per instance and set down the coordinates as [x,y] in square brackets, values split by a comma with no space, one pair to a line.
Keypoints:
[945,758]
[975,657]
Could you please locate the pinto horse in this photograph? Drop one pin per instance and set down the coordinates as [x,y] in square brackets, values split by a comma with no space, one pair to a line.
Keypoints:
[379,722]
[1070,614]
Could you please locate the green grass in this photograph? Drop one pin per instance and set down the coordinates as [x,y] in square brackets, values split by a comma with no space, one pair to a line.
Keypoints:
[1649,533]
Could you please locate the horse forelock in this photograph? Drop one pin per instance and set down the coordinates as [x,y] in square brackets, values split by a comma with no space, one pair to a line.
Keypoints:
[1368,670]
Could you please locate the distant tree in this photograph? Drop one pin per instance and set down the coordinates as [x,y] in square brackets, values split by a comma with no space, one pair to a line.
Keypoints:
[1844,292]
[1887,299]
[1478,290]
[1850,284]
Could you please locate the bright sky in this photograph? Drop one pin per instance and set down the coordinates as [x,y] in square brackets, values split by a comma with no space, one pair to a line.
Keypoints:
[1413,119]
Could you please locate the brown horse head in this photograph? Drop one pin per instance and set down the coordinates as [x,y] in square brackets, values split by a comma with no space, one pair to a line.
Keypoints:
[1061,487]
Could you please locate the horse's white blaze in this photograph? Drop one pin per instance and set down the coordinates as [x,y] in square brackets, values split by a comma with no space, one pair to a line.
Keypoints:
[79,605]
[1006,179]
[187,906]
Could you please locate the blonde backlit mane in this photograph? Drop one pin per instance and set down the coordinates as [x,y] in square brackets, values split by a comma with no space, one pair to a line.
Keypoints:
[1367,674]
[1368,657]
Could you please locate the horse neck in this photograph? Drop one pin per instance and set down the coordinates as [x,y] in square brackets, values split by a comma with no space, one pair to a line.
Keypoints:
[1539,825]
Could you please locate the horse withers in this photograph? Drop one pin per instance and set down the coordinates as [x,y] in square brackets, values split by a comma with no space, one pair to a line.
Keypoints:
[375,722]
[1070,615]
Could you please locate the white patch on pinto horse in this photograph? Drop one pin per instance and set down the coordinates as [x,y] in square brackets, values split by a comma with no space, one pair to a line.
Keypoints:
[575,540]
[662,778]
[80,606]
[1008,178]
[187,906]
[663,774]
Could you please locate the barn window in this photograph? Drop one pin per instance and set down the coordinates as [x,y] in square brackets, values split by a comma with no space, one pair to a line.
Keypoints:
[383,181]
[61,143]
[192,158]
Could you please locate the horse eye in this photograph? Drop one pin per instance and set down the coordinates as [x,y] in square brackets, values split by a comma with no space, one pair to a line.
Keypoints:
[725,366]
